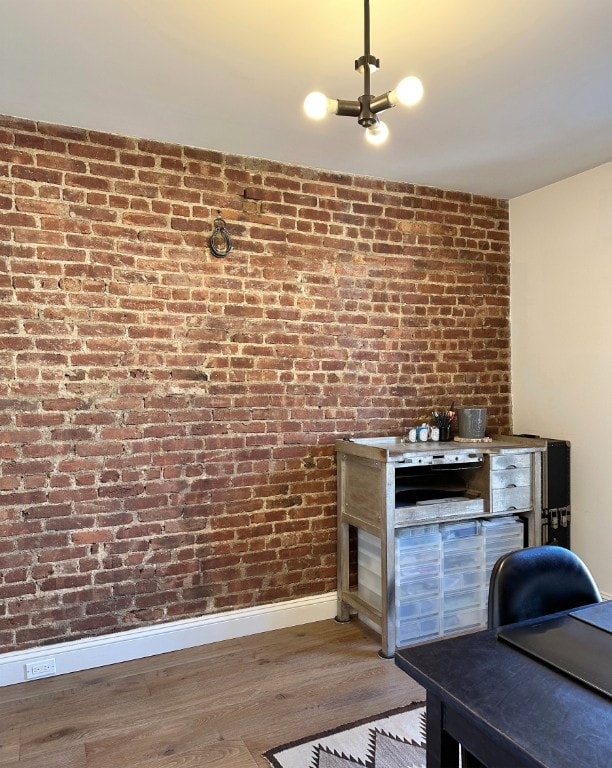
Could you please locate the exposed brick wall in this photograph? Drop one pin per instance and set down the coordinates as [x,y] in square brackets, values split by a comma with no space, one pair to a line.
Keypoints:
[167,418]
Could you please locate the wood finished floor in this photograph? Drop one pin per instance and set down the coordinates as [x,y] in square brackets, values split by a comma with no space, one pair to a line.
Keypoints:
[218,706]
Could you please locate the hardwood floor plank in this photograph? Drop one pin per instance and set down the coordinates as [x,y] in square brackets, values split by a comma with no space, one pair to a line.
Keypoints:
[154,740]
[9,744]
[156,749]
[71,757]
[73,701]
[224,755]
[221,704]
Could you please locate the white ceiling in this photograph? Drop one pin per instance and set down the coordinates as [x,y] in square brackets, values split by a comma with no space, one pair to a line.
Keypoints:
[518,93]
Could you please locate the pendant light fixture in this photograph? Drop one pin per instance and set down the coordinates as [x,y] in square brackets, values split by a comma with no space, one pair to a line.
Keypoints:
[367,107]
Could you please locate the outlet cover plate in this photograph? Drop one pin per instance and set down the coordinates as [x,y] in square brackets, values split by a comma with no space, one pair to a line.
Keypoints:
[40,668]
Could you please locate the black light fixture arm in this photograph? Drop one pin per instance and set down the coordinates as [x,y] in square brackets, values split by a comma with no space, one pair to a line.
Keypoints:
[380,103]
[369,105]
[348,108]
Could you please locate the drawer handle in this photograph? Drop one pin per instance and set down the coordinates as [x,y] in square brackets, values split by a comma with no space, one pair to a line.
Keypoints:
[512,485]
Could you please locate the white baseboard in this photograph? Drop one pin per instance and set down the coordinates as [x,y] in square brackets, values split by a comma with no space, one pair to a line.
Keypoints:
[77,655]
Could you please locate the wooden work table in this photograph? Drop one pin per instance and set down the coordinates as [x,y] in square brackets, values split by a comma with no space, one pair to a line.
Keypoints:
[376,492]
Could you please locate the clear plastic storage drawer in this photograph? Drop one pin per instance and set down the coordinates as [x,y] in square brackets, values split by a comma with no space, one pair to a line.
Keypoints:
[417,588]
[468,529]
[418,536]
[420,544]
[463,559]
[500,528]
[414,609]
[421,629]
[369,569]
[406,558]
[459,580]
[459,621]
[467,598]
[418,572]
[372,596]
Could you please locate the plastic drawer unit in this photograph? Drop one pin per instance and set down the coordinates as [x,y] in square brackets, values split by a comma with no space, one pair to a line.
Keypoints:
[418,581]
[368,568]
[462,567]
[441,574]
[501,535]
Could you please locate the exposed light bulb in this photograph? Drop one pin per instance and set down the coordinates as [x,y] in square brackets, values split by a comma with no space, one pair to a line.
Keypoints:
[408,92]
[317,105]
[372,67]
[372,63]
[377,134]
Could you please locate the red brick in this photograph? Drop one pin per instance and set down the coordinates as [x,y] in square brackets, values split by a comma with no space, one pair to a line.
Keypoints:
[36,141]
[88,182]
[167,418]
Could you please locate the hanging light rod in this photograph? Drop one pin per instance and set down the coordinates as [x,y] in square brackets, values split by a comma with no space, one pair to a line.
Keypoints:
[366,108]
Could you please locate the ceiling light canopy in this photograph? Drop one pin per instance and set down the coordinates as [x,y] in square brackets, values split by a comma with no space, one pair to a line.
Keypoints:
[408,92]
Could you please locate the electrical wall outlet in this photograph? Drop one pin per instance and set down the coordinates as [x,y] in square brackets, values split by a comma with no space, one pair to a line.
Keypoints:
[40,668]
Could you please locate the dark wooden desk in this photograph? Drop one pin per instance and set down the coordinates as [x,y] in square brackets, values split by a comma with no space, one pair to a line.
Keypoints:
[506,708]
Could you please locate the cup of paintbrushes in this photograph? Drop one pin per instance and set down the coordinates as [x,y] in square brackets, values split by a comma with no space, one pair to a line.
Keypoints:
[443,420]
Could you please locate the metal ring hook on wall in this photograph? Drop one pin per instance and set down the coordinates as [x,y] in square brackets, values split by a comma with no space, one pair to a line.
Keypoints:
[220,241]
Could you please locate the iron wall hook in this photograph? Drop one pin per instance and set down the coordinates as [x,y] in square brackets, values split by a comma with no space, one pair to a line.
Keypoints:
[220,241]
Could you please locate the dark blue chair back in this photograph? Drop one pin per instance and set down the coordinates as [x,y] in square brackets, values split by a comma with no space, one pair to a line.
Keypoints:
[536,581]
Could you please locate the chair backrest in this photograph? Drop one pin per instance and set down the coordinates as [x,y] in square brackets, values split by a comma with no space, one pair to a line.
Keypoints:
[537,581]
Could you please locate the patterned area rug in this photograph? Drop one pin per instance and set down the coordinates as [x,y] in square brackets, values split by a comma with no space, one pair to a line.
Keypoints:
[395,739]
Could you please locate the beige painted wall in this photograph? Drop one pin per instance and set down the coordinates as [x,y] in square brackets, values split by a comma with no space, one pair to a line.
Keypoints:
[561,316]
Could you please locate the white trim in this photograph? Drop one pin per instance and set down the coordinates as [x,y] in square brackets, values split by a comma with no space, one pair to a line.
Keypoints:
[141,642]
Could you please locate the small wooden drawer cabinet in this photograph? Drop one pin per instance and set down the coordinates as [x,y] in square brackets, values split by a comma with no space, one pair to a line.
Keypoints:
[507,482]
[511,486]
